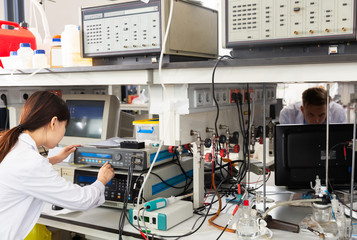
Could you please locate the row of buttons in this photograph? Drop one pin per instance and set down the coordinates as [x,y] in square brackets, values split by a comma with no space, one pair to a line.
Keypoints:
[112,195]
[100,161]
[248,5]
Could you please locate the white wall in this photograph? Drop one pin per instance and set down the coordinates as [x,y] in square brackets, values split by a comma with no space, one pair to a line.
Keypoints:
[62,12]
[2,12]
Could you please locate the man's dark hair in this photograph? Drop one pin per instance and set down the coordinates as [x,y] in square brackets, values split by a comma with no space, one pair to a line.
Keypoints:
[314,96]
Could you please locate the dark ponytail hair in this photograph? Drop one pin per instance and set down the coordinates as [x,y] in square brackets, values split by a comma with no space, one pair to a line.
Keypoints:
[38,111]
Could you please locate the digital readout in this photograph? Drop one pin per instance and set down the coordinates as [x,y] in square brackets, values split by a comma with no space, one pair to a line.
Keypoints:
[89,179]
[96,155]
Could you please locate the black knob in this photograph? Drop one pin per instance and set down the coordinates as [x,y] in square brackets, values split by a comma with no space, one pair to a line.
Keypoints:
[235,138]
[208,142]
[222,139]
[24,25]
[260,131]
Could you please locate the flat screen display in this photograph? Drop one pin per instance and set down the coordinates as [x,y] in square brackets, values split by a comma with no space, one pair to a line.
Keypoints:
[300,154]
[86,118]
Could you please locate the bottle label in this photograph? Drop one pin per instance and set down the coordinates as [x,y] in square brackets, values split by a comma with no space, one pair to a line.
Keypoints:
[56,57]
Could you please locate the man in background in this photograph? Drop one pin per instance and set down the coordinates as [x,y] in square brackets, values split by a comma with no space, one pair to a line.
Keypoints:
[312,109]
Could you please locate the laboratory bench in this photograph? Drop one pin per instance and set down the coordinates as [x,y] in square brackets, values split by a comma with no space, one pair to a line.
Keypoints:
[102,222]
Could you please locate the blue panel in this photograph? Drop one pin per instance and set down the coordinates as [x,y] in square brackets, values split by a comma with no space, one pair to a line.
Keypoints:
[97,155]
[160,187]
[131,219]
[89,179]
[162,221]
[162,156]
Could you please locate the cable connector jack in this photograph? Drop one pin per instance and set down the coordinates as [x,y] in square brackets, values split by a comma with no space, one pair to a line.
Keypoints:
[137,159]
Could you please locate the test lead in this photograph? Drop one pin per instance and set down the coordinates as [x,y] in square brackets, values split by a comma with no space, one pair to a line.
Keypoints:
[163,202]
[321,235]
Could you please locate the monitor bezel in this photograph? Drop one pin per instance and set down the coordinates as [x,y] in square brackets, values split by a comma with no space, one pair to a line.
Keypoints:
[284,173]
[110,121]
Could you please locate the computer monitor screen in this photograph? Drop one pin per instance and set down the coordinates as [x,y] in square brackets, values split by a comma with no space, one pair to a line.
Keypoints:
[93,118]
[86,118]
[300,154]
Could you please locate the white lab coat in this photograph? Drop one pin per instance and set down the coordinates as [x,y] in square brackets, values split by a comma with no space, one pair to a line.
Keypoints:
[292,114]
[27,181]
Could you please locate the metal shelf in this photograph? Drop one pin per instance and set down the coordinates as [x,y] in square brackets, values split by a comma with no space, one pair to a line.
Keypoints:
[78,76]
[134,107]
[339,68]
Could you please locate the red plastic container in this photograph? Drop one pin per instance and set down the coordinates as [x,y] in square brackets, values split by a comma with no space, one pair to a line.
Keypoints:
[10,39]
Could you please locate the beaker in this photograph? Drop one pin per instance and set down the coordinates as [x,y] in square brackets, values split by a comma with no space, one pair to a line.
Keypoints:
[321,212]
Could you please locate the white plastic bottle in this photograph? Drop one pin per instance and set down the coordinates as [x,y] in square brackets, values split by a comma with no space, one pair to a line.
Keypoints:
[70,45]
[56,53]
[39,59]
[71,51]
[247,227]
[14,60]
[24,54]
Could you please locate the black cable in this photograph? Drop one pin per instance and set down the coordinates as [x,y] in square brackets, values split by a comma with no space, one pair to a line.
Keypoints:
[4,99]
[126,196]
[248,127]
[266,180]
[44,150]
[204,219]
[204,207]
[245,133]
[225,165]
[163,181]
[339,199]
[235,99]
[178,163]
[238,101]
[181,167]
[222,232]
[339,144]
[213,93]
[217,106]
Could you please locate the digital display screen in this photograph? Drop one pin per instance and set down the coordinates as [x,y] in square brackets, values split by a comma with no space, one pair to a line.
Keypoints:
[96,155]
[86,118]
[89,179]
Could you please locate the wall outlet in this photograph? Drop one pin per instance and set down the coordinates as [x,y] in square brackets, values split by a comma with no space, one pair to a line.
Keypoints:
[222,96]
[208,97]
[233,91]
[100,91]
[78,91]
[199,95]
[25,94]
[4,96]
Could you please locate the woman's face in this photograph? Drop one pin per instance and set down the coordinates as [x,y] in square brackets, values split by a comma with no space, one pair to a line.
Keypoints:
[56,134]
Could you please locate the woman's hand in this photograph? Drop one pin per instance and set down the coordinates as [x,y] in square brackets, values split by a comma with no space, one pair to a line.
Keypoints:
[106,173]
[65,152]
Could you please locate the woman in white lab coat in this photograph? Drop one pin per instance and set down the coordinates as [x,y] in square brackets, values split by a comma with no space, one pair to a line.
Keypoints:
[28,180]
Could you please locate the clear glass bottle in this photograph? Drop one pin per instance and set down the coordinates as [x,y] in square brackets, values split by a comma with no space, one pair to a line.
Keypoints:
[321,212]
[247,227]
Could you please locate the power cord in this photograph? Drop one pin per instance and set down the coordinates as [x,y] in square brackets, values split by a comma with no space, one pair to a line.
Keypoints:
[4,99]
[126,196]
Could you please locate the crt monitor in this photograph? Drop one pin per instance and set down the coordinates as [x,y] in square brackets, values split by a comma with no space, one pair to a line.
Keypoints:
[300,155]
[93,118]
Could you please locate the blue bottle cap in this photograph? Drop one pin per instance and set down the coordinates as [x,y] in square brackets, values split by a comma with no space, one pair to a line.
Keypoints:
[13,53]
[39,51]
[25,45]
